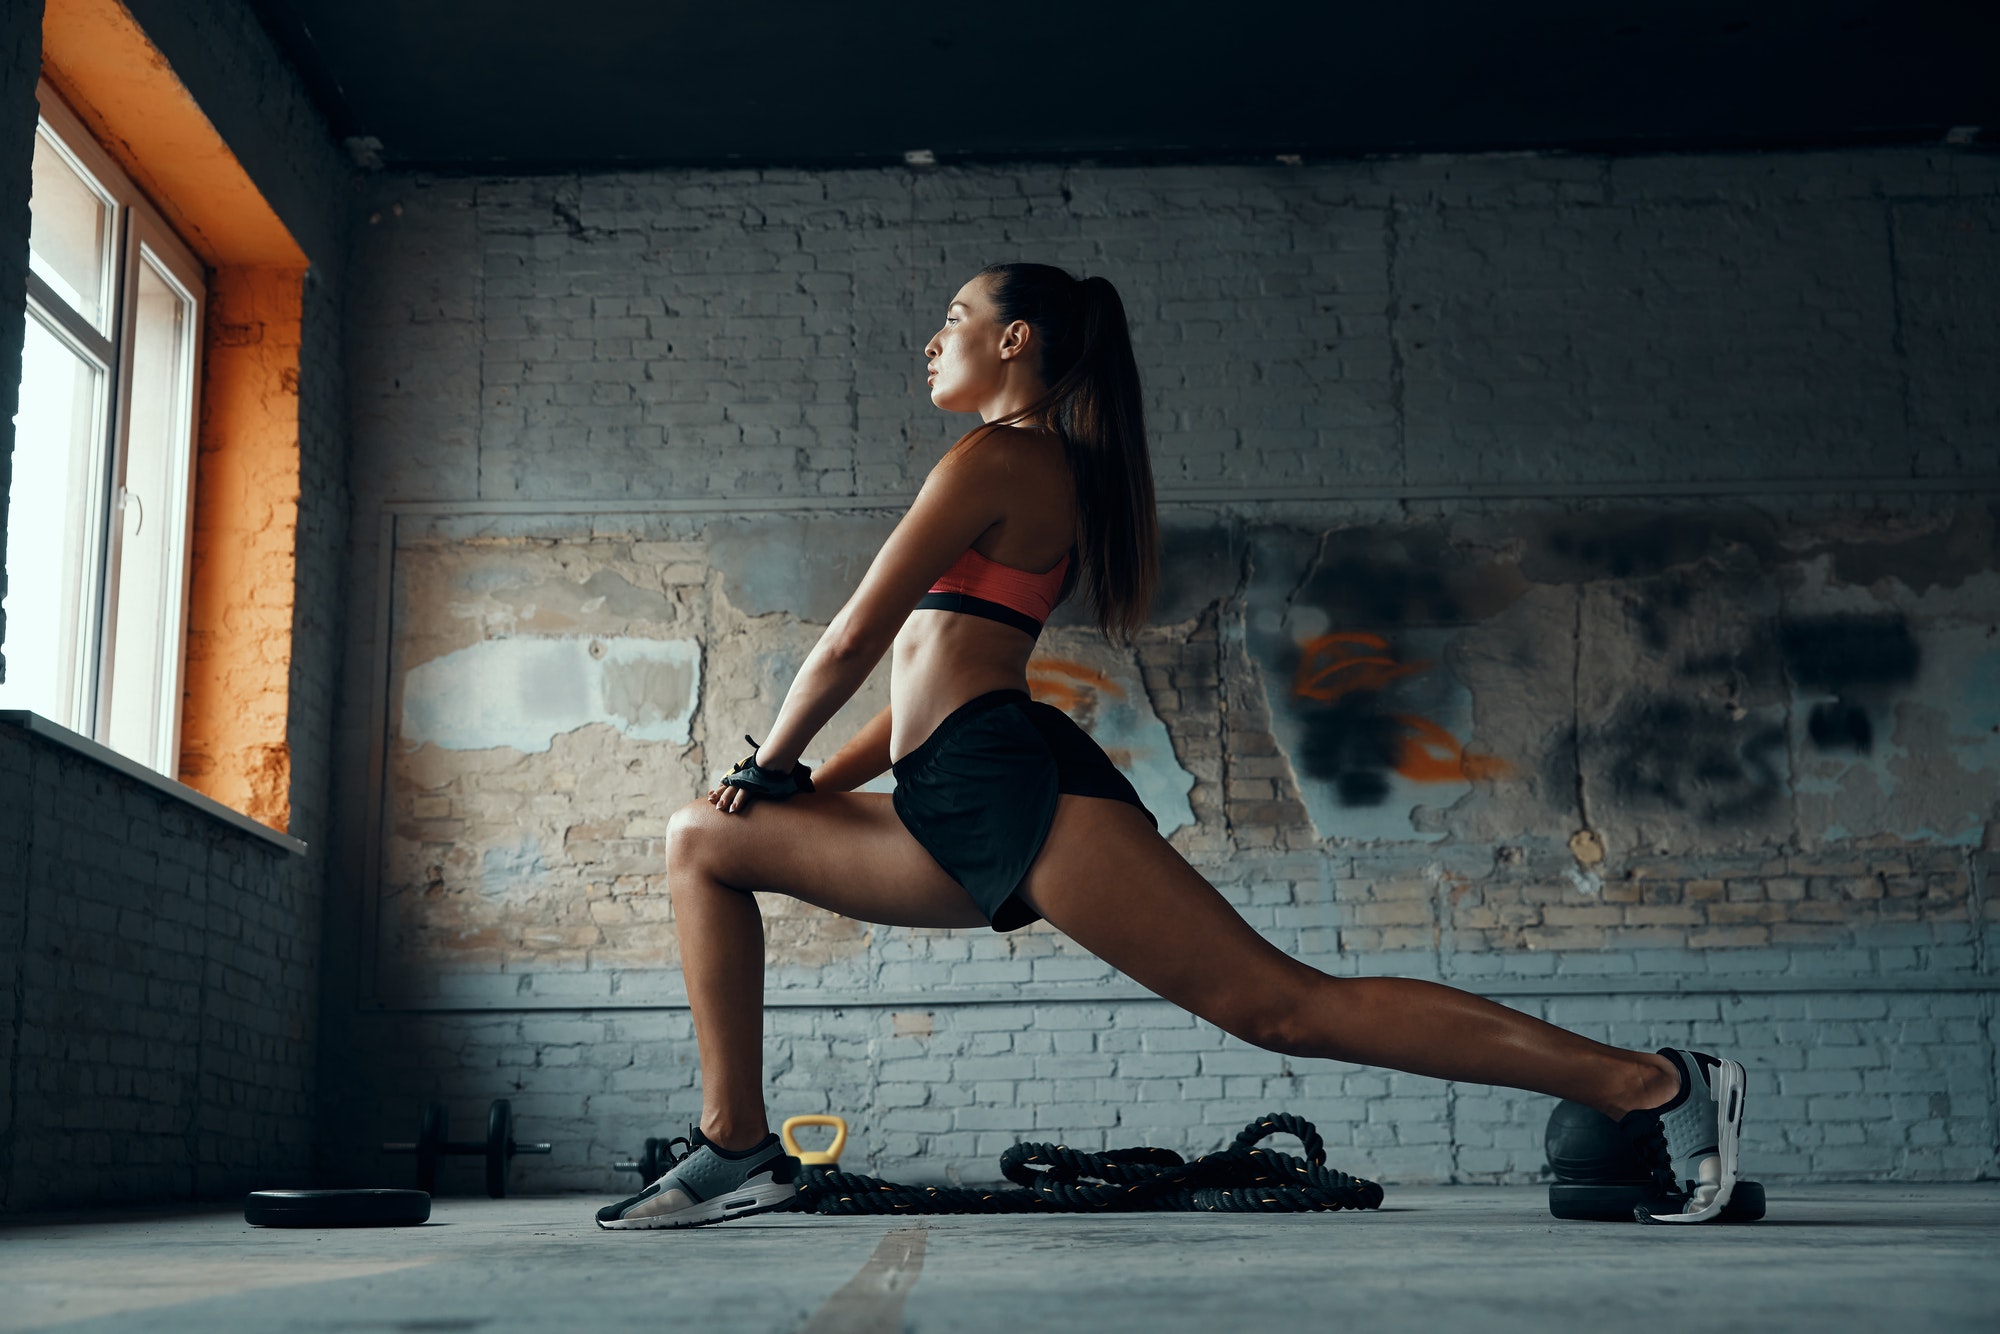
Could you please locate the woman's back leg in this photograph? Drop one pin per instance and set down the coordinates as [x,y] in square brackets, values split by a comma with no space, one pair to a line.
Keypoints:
[1112,884]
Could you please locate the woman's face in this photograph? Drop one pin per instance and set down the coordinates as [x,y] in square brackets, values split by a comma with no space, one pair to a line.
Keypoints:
[968,360]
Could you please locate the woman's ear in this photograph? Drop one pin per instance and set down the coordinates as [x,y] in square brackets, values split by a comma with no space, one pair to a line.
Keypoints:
[1014,339]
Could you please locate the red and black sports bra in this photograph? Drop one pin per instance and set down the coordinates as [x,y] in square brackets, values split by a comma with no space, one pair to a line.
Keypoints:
[980,586]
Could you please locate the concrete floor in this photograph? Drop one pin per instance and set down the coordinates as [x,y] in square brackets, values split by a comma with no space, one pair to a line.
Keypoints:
[1490,1259]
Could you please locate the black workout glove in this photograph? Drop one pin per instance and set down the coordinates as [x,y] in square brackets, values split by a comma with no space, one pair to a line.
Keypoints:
[763,783]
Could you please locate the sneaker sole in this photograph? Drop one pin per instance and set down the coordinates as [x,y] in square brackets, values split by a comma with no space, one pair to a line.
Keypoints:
[741,1203]
[1730,1083]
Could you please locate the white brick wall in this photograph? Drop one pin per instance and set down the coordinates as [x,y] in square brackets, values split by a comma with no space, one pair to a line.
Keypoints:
[1512,321]
[1845,1087]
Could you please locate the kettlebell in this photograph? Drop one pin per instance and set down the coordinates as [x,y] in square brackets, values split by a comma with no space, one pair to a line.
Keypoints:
[826,1157]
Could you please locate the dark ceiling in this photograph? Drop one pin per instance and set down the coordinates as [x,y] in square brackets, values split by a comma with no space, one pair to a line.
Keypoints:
[532,85]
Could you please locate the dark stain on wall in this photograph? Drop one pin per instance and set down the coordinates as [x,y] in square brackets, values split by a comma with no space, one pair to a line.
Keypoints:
[1354,745]
[1585,548]
[1381,579]
[1692,755]
[1859,660]
[1943,557]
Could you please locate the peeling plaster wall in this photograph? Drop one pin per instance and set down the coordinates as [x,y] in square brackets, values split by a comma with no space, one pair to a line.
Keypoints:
[1581,586]
[159,970]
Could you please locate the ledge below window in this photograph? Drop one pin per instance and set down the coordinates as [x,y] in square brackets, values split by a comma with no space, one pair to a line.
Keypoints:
[36,725]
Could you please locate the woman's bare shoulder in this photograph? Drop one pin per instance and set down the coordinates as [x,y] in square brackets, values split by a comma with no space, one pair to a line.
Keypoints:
[1008,449]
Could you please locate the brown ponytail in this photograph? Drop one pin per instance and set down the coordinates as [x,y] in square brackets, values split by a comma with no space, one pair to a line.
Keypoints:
[1094,405]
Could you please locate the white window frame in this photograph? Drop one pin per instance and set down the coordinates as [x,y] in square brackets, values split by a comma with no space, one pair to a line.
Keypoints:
[136,229]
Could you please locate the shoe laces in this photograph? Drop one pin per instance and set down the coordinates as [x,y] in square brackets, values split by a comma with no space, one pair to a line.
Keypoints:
[673,1159]
[1658,1158]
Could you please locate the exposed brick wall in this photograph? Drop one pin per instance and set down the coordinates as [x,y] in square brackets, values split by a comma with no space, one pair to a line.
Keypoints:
[1396,323]
[1848,1086]
[1545,328]
[162,996]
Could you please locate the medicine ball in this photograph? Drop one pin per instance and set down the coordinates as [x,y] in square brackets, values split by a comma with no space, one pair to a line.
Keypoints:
[1584,1144]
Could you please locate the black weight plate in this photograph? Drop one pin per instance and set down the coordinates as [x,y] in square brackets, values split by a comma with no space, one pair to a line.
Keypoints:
[430,1142]
[499,1147]
[1746,1203]
[1614,1202]
[1597,1202]
[336,1208]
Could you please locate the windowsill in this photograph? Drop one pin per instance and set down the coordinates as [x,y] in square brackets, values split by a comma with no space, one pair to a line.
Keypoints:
[36,725]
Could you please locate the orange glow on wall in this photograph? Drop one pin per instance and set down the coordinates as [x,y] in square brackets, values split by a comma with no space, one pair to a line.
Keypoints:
[239,650]
[113,77]
[238,667]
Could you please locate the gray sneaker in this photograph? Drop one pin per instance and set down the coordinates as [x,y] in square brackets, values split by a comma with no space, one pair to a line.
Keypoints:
[705,1185]
[1690,1143]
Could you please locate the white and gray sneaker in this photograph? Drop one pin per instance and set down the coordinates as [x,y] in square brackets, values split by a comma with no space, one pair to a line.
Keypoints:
[1690,1143]
[706,1184]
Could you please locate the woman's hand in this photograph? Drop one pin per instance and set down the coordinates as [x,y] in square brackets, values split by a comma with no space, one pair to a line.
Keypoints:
[728,799]
[732,792]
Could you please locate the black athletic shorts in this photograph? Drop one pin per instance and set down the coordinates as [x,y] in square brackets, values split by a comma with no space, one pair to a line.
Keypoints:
[979,793]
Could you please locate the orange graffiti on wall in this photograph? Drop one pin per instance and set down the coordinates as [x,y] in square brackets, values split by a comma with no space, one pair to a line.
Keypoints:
[1075,688]
[1334,666]
[1432,755]
[1067,685]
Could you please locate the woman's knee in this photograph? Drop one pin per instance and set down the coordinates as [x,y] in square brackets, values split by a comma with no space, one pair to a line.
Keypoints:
[691,837]
[1282,1019]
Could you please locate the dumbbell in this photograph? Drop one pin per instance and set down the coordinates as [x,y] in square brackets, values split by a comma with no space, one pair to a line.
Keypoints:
[498,1148]
[650,1165]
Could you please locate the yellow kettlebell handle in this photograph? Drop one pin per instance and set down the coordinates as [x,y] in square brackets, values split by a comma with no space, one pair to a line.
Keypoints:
[817,1158]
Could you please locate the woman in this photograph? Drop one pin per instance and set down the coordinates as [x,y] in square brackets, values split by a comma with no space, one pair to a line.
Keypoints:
[1004,811]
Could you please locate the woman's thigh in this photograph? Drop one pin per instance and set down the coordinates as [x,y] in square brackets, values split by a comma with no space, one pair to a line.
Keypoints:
[1109,882]
[847,852]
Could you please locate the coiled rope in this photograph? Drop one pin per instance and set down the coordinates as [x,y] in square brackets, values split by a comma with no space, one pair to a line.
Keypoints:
[1055,1179]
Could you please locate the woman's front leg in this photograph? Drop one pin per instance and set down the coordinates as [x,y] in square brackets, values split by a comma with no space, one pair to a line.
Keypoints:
[722,961]
[845,852]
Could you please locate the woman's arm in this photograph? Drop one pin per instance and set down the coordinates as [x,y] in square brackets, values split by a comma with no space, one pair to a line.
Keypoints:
[960,500]
[863,757]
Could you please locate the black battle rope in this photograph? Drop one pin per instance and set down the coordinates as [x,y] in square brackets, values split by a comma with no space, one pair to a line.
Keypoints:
[1055,1179]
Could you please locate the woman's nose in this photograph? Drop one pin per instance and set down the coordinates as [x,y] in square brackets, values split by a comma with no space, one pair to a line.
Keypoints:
[931,348]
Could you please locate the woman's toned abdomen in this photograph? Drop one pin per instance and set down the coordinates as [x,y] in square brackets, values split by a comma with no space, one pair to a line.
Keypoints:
[942,659]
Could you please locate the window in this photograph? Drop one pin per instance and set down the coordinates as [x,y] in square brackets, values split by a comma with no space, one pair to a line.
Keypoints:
[98,513]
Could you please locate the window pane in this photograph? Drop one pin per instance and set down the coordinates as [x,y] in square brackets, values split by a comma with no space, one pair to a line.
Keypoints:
[69,244]
[53,532]
[145,646]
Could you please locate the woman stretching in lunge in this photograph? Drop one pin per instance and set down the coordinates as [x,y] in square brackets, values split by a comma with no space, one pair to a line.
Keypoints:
[1006,811]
